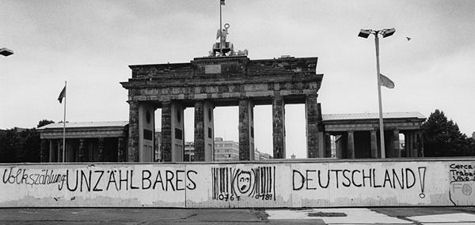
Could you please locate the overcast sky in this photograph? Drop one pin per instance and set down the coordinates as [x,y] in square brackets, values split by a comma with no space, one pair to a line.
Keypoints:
[91,43]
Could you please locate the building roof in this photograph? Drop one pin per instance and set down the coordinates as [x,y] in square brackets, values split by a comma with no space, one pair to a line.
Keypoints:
[370,116]
[86,124]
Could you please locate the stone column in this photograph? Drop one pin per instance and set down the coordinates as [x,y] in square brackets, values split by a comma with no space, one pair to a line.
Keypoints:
[246,130]
[76,152]
[351,145]
[59,144]
[407,144]
[419,144]
[278,127]
[166,147]
[412,146]
[100,149]
[374,145]
[51,150]
[328,145]
[177,118]
[120,149]
[146,132]
[406,147]
[311,116]
[166,143]
[173,140]
[82,150]
[396,153]
[321,134]
[133,143]
[321,145]
[339,146]
[204,131]
[43,150]
[199,131]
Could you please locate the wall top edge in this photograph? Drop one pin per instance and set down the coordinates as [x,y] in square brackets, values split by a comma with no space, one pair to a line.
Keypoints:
[297,161]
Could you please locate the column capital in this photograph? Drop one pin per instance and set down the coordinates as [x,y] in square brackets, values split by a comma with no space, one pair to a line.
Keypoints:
[131,102]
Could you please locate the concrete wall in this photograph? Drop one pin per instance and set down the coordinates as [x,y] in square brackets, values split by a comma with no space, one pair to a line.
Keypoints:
[421,182]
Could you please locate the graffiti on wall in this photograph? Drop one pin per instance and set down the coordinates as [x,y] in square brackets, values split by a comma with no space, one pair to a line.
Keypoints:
[232,184]
[240,185]
[99,180]
[462,183]
[392,178]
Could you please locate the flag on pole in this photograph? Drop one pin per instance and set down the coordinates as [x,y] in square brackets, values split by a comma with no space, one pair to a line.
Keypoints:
[222,2]
[385,81]
[62,95]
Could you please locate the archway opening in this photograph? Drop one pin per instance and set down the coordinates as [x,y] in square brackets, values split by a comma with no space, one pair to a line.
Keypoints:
[263,139]
[295,138]
[226,133]
[189,124]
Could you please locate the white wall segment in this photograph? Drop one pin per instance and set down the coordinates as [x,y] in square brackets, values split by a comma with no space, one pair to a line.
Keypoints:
[415,182]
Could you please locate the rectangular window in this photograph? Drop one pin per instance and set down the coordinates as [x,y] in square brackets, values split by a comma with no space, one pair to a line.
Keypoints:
[178,134]
[147,134]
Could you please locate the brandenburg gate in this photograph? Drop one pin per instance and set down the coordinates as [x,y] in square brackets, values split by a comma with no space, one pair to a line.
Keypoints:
[221,79]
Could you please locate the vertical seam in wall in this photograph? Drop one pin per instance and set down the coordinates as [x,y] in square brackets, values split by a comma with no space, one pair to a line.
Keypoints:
[186,182]
[292,192]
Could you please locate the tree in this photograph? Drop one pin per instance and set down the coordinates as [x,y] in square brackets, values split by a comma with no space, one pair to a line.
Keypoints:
[21,145]
[44,122]
[442,137]
[8,140]
[28,149]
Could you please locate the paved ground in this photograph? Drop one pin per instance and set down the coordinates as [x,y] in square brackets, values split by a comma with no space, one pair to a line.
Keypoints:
[132,216]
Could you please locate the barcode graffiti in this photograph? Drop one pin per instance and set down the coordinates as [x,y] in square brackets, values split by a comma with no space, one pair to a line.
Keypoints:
[231,184]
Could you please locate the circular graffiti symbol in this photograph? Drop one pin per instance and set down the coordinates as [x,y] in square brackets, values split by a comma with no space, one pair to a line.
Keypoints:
[467,189]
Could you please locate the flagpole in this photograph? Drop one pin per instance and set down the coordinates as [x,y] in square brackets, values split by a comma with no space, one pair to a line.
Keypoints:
[381,125]
[220,29]
[64,121]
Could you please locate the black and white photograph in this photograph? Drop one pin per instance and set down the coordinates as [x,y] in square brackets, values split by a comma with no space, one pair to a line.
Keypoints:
[237,112]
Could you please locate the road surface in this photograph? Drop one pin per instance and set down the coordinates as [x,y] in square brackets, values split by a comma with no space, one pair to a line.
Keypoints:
[145,216]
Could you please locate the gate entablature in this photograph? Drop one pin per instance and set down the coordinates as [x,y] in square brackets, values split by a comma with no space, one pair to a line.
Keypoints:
[221,78]
[220,81]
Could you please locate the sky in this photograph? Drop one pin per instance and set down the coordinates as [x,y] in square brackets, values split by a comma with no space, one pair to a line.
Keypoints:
[90,44]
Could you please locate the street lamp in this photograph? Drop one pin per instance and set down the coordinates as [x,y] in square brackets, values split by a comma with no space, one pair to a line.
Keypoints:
[5,52]
[364,33]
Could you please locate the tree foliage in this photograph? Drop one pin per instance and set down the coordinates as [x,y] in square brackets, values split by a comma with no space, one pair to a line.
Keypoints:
[43,123]
[442,137]
[21,145]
